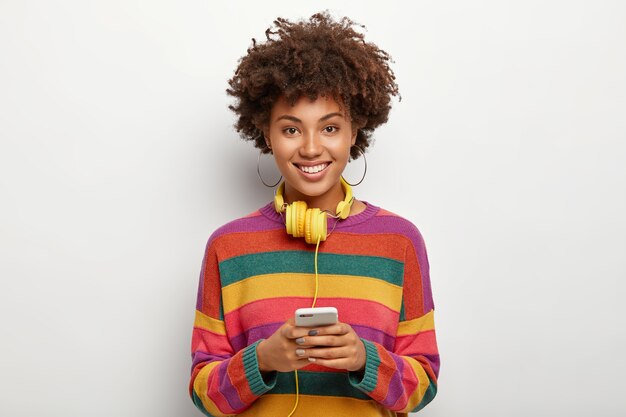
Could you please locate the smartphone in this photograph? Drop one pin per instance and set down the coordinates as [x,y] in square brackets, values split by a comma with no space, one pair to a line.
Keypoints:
[317,316]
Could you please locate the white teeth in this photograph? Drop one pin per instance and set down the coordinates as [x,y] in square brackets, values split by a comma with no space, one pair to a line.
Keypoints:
[314,169]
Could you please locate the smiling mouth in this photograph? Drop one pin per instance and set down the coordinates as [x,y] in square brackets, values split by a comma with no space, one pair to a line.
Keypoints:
[313,169]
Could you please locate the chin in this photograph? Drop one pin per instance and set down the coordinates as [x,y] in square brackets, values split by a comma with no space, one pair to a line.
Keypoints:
[312,192]
[315,190]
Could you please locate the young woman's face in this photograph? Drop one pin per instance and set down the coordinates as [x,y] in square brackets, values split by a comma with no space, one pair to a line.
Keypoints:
[311,144]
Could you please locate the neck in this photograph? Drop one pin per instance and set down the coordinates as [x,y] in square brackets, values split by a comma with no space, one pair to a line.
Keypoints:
[327,201]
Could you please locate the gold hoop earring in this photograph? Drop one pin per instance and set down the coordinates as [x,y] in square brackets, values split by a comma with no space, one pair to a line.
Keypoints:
[258,171]
[364,172]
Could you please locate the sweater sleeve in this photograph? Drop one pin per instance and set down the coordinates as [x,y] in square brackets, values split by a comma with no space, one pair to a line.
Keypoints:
[223,381]
[404,379]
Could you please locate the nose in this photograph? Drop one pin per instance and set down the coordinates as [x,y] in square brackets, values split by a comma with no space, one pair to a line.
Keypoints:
[311,146]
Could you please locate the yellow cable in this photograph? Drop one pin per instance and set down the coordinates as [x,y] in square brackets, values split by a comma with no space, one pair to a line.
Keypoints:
[316,277]
[293,410]
[297,395]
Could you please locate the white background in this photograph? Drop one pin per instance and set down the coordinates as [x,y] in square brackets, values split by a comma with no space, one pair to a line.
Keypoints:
[118,159]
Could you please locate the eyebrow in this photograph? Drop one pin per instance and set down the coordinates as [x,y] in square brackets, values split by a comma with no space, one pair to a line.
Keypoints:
[295,119]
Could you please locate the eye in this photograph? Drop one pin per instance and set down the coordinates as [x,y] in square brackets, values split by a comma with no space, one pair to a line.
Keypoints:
[290,130]
[331,129]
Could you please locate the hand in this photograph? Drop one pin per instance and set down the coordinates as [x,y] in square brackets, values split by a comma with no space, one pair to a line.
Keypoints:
[280,352]
[335,346]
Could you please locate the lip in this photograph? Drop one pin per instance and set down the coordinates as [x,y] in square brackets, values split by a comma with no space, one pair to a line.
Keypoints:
[317,175]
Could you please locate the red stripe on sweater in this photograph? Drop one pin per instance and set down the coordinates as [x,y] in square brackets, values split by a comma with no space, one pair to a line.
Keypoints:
[207,341]
[425,341]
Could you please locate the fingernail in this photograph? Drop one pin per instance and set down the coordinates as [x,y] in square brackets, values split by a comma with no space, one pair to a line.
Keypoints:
[311,359]
[300,352]
[300,340]
[312,332]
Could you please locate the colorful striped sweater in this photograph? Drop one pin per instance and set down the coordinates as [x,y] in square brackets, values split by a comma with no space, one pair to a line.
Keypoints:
[373,268]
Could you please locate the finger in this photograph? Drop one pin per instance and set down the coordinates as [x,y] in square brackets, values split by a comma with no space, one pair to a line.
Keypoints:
[303,342]
[336,329]
[291,331]
[297,359]
[331,340]
[331,363]
[301,353]
[327,353]
[298,332]
[310,341]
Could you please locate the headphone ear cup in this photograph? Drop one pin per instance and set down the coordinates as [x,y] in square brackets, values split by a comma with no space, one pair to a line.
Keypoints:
[310,223]
[315,226]
[301,212]
[308,233]
[288,218]
[295,218]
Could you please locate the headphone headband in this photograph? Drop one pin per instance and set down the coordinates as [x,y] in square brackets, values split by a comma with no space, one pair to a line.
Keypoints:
[343,208]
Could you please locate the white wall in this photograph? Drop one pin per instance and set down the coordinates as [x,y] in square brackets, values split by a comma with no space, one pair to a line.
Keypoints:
[118,159]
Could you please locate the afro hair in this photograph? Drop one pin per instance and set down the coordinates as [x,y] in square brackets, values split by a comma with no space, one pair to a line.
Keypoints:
[318,57]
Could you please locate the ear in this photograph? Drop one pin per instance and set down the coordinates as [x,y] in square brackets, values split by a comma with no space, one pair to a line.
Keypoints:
[266,136]
[355,132]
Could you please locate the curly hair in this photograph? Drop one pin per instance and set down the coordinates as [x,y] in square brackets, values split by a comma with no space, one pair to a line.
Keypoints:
[319,57]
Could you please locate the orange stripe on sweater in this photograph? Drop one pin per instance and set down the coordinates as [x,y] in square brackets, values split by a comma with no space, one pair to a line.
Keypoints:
[390,246]
[211,285]
[386,370]
[412,293]
[237,375]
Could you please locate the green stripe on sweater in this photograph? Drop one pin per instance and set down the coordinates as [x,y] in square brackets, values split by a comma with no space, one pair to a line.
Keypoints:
[241,267]
[198,403]
[334,384]
[369,379]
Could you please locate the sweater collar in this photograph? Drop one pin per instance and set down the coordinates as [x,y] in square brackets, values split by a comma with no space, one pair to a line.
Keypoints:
[369,212]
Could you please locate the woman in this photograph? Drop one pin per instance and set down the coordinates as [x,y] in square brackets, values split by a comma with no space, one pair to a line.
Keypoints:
[311,95]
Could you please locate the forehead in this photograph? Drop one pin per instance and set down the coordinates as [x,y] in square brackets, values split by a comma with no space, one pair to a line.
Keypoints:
[305,108]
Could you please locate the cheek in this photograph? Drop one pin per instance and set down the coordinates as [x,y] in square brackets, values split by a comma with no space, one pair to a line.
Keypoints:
[342,151]
[282,155]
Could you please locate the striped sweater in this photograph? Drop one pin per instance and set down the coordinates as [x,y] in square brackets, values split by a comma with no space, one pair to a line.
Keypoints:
[373,268]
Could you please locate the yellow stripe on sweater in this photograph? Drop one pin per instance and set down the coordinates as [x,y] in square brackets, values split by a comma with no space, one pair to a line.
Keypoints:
[201,385]
[205,322]
[424,382]
[315,406]
[303,285]
[420,324]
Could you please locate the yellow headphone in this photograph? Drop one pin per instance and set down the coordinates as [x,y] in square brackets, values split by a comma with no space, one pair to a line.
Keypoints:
[310,223]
